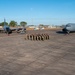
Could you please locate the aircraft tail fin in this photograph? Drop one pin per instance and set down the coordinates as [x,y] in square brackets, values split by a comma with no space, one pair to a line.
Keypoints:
[4,22]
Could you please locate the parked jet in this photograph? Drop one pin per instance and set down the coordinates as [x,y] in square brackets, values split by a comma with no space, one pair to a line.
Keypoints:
[70,27]
[9,30]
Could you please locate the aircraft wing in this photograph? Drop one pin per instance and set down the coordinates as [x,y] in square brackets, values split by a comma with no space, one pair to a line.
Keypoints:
[2,30]
[13,29]
[16,29]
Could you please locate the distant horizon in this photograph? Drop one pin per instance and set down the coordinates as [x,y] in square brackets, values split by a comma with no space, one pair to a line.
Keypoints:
[8,21]
[35,12]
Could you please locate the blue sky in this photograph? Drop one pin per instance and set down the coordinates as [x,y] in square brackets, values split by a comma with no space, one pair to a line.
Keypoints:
[52,12]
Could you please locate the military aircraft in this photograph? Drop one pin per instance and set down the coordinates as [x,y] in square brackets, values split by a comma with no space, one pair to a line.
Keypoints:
[70,27]
[9,30]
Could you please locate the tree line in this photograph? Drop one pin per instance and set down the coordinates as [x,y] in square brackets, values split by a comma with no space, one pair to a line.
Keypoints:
[13,23]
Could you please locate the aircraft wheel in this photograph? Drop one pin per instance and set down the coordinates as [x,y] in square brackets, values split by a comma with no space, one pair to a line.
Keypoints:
[68,32]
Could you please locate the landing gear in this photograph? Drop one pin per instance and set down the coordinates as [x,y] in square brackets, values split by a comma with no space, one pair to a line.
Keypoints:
[68,32]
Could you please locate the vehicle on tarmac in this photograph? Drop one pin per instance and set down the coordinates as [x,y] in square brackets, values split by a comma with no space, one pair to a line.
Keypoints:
[8,30]
[70,27]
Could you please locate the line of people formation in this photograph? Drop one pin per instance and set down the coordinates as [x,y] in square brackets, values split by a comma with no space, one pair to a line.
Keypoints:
[37,37]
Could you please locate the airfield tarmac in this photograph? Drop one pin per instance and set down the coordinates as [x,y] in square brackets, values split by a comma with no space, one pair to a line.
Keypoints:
[55,56]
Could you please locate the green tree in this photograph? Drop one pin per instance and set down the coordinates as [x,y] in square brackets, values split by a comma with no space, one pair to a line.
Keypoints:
[2,24]
[13,23]
[23,23]
[41,26]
